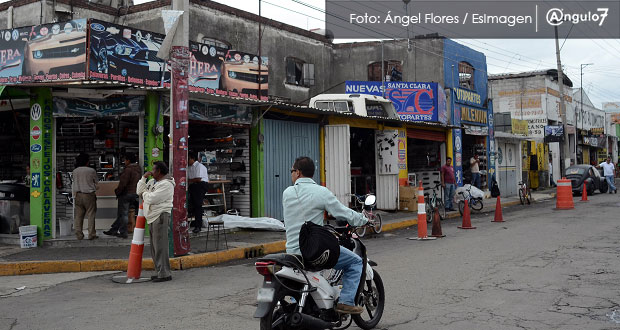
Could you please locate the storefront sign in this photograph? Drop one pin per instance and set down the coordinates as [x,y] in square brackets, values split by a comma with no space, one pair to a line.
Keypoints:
[458,156]
[43,53]
[414,101]
[467,97]
[594,141]
[220,112]
[41,153]
[127,55]
[113,106]
[476,130]
[473,115]
[597,130]
[519,127]
[554,133]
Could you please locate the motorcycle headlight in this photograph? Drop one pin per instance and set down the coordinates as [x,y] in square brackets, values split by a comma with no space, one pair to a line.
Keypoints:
[232,74]
[37,54]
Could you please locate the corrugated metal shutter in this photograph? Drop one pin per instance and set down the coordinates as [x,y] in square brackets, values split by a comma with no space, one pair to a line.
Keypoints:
[426,135]
[285,141]
[338,161]
[387,184]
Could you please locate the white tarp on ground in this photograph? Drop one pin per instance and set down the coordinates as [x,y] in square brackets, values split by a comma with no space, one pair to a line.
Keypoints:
[475,192]
[233,221]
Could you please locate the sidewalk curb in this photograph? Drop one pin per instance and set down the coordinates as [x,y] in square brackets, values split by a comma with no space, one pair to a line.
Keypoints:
[178,263]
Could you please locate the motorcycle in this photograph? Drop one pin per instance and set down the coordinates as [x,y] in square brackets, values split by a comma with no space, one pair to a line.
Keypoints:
[293,297]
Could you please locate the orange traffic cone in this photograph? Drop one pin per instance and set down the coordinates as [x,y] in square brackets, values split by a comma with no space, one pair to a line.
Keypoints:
[437,225]
[584,194]
[564,196]
[498,211]
[422,229]
[466,218]
[134,267]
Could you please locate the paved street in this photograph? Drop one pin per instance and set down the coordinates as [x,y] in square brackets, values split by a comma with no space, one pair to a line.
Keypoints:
[541,269]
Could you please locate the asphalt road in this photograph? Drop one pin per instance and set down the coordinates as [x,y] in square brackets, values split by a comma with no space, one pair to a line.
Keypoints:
[541,269]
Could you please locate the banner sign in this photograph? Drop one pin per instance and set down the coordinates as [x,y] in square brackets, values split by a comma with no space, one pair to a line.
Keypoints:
[123,54]
[554,133]
[468,97]
[519,127]
[224,113]
[117,106]
[594,141]
[414,101]
[43,53]
[473,115]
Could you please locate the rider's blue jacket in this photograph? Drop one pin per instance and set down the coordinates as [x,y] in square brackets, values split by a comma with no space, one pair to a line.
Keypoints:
[306,201]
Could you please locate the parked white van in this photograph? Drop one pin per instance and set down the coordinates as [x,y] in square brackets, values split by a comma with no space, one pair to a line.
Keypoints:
[361,104]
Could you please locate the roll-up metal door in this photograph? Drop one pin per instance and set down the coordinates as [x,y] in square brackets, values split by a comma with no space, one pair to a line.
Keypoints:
[284,142]
[338,161]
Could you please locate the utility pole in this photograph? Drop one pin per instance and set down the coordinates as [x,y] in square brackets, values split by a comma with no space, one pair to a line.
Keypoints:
[581,104]
[564,152]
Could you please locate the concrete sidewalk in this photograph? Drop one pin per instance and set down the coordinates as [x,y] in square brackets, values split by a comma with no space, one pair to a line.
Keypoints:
[109,253]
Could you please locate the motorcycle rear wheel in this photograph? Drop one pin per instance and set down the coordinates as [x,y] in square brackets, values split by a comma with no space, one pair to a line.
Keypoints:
[373,301]
[277,311]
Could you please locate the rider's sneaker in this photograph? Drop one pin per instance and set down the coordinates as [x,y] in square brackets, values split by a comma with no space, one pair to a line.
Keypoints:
[348,309]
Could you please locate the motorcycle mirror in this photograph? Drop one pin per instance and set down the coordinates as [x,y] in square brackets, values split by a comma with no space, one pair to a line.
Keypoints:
[370,200]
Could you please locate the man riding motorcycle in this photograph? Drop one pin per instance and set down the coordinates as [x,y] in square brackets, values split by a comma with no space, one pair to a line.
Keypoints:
[306,201]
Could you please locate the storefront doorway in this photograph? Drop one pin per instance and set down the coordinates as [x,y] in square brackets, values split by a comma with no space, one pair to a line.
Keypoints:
[426,153]
[363,167]
[475,145]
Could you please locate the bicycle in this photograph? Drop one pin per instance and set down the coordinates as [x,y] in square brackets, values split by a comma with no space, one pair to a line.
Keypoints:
[433,202]
[475,203]
[374,219]
[524,193]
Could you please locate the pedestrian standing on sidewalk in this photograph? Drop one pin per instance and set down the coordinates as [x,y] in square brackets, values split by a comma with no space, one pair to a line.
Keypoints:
[609,171]
[157,197]
[84,189]
[126,196]
[474,167]
[197,178]
[448,182]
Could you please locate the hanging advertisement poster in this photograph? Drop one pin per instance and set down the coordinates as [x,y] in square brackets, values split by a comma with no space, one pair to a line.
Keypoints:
[43,53]
[240,75]
[128,55]
[220,112]
[413,101]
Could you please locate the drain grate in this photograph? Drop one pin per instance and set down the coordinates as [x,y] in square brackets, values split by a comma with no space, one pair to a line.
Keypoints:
[254,252]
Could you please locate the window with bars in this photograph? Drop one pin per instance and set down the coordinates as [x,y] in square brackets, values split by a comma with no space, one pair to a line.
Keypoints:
[466,75]
[299,72]
[393,71]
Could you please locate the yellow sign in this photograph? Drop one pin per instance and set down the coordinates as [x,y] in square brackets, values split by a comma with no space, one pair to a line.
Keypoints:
[35,193]
[519,127]
[473,115]
[469,97]
[598,130]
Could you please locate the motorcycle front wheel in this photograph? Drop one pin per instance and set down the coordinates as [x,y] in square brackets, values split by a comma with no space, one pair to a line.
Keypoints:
[372,299]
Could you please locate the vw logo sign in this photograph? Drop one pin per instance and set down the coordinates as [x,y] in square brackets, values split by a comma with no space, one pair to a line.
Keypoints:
[97,27]
[35,111]
[35,147]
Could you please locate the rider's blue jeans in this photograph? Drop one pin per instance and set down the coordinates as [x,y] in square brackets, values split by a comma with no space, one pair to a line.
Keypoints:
[351,264]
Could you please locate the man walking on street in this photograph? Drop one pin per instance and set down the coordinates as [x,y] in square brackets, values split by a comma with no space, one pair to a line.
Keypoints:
[197,178]
[84,189]
[307,201]
[126,195]
[157,197]
[609,171]
[474,166]
[448,182]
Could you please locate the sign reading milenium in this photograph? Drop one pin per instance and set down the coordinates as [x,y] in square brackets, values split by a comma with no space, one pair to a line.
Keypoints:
[473,19]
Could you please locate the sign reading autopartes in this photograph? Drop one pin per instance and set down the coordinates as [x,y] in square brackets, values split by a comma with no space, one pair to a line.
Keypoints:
[473,19]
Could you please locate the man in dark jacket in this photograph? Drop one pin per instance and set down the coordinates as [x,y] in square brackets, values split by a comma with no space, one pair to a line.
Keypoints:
[126,195]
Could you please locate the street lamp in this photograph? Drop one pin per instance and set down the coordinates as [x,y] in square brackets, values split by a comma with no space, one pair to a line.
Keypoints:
[581,104]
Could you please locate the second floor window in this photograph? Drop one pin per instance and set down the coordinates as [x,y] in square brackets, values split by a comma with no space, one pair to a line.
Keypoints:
[466,75]
[393,71]
[299,72]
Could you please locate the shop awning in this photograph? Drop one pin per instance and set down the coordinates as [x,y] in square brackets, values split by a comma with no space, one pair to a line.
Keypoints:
[426,135]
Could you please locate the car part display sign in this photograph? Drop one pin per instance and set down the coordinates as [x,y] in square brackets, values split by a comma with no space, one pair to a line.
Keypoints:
[43,53]
[128,55]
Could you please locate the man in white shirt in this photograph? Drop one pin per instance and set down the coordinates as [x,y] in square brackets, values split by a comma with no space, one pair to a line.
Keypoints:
[474,164]
[197,180]
[609,170]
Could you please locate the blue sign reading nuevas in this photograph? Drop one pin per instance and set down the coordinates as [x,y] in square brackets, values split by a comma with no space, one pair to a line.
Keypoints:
[414,101]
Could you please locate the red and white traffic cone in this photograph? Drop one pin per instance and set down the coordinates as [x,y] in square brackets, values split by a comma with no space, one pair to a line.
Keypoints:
[134,266]
[422,229]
